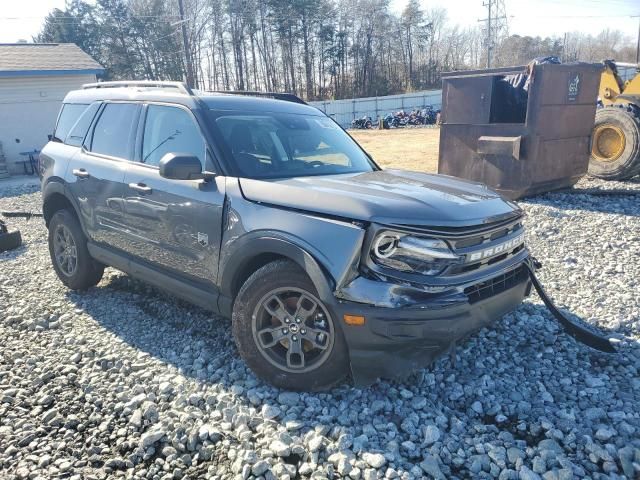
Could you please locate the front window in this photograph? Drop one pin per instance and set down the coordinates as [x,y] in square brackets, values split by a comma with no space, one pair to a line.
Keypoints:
[277,145]
[170,129]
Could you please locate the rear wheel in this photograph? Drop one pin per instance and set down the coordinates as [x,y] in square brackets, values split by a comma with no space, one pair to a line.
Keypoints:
[615,143]
[69,254]
[285,333]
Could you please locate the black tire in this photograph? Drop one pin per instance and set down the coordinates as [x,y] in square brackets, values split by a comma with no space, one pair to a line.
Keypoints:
[331,367]
[87,272]
[610,158]
[10,240]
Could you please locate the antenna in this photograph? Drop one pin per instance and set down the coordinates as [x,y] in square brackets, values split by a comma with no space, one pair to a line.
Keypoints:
[496,28]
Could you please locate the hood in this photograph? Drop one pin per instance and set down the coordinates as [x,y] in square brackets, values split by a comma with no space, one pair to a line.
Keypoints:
[390,197]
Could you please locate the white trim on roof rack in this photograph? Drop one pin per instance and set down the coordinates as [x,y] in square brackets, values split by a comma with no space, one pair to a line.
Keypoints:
[140,83]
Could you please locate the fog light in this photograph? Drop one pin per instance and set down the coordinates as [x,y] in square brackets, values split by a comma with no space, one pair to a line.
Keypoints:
[356,320]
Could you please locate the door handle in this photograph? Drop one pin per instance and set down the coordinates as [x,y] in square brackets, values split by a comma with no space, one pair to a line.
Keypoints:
[140,187]
[81,173]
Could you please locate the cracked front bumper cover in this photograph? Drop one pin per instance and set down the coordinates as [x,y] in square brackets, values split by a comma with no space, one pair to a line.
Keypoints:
[409,328]
[580,333]
[396,341]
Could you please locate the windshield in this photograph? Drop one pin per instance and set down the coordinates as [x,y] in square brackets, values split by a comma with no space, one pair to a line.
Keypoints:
[276,145]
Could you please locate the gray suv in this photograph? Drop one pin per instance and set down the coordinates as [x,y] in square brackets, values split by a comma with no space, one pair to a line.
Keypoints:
[261,208]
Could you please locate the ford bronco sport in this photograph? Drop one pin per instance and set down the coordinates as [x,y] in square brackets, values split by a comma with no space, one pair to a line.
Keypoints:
[261,208]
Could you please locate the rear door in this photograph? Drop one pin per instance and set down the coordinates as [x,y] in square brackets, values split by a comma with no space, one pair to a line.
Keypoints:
[95,175]
[174,224]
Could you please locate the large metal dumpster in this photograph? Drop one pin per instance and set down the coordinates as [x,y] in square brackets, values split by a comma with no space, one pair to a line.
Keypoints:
[519,141]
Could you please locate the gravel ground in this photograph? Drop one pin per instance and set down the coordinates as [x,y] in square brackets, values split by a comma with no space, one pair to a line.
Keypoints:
[124,381]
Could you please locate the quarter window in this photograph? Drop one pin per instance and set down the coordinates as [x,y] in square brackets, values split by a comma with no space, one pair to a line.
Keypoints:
[68,117]
[79,130]
[170,130]
[115,130]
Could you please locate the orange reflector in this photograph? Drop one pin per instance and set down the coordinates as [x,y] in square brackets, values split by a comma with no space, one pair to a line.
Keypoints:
[354,319]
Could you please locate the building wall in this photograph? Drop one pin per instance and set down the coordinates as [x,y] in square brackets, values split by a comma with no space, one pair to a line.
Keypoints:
[29,108]
[344,111]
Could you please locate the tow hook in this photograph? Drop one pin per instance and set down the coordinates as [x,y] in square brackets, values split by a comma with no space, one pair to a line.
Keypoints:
[580,333]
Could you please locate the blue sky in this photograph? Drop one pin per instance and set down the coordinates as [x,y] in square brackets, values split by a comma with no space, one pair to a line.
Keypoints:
[546,17]
[21,19]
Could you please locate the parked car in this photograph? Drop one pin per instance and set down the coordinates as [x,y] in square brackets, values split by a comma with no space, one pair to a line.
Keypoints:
[262,209]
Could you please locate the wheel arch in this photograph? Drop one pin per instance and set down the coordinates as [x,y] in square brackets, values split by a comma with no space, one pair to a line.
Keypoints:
[54,198]
[265,249]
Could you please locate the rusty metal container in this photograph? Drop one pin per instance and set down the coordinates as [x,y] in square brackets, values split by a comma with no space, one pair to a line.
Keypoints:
[524,145]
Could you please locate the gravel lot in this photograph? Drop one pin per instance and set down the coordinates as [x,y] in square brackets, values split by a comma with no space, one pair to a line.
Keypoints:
[124,381]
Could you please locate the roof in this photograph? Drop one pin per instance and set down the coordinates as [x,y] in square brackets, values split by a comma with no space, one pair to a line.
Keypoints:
[26,59]
[212,100]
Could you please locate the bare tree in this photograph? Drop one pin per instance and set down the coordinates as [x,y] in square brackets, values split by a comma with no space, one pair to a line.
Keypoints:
[315,48]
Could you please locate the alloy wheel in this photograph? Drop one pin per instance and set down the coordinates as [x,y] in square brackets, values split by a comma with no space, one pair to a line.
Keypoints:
[65,250]
[293,330]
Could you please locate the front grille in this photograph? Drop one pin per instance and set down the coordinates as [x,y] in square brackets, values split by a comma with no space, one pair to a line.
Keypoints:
[478,239]
[496,285]
[474,244]
[470,267]
[467,245]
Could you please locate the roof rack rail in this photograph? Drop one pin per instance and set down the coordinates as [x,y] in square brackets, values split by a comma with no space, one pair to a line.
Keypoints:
[141,83]
[287,97]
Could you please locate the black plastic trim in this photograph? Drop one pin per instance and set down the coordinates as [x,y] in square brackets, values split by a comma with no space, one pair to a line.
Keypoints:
[205,298]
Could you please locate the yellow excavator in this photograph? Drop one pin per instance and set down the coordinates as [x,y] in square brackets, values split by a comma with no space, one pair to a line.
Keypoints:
[615,141]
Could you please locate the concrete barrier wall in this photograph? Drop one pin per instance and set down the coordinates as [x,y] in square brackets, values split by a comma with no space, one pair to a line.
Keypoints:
[344,111]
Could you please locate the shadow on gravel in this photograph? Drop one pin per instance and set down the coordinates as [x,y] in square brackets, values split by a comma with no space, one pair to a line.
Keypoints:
[508,381]
[15,253]
[16,190]
[165,327]
[159,324]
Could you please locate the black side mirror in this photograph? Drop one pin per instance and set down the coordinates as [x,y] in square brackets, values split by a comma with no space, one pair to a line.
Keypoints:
[181,166]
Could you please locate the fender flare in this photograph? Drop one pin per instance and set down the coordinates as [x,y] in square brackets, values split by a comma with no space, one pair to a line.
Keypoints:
[56,186]
[52,186]
[277,244]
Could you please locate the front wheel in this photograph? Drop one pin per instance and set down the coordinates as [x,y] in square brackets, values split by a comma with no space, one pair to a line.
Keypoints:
[285,333]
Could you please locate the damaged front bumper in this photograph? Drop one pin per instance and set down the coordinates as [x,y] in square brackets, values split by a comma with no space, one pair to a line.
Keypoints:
[407,327]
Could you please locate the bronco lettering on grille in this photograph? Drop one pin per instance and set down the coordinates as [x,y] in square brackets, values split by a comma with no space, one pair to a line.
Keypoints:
[497,250]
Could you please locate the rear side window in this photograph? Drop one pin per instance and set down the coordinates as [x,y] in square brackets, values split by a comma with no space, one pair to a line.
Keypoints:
[79,130]
[69,115]
[115,130]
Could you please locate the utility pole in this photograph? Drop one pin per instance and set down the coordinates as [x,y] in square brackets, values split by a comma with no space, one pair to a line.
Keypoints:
[638,44]
[185,45]
[489,39]
[496,26]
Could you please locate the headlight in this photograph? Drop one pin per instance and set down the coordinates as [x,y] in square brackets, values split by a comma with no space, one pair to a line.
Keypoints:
[408,253]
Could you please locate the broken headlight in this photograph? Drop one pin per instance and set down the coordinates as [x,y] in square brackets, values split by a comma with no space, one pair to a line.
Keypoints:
[412,254]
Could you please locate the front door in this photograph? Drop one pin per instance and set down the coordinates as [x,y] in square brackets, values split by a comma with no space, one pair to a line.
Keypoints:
[175,224]
[96,173]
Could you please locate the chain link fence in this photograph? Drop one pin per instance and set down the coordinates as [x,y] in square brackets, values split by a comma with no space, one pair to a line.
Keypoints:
[344,111]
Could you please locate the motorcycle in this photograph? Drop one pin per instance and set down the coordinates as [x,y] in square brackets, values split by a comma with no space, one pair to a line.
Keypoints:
[362,123]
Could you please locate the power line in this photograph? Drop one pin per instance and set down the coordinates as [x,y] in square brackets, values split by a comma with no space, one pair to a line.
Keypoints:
[496,27]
